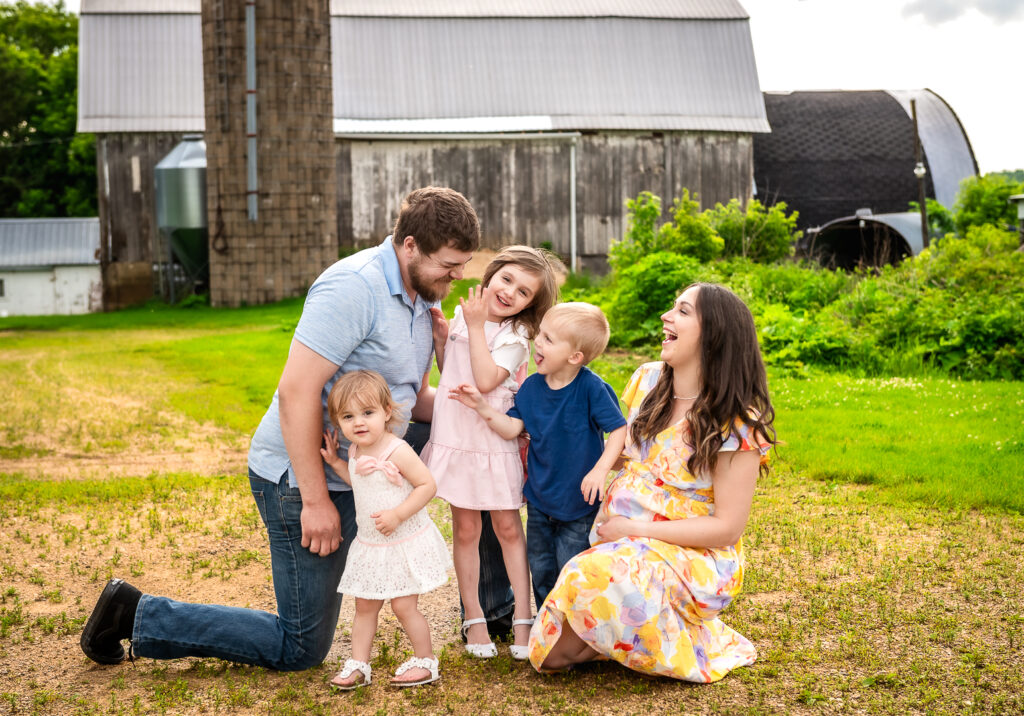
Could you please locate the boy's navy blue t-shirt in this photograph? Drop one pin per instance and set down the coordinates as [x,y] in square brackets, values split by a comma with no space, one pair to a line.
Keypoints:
[566,430]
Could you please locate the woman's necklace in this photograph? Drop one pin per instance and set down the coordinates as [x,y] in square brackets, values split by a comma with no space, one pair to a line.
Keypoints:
[679,397]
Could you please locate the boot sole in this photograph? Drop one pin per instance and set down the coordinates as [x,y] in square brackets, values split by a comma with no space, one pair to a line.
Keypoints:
[93,624]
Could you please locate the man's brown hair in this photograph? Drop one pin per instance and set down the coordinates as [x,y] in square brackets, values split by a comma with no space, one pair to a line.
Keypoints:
[436,216]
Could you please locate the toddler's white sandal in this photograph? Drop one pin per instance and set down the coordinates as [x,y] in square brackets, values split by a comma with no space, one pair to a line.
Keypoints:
[520,653]
[417,662]
[351,666]
[480,651]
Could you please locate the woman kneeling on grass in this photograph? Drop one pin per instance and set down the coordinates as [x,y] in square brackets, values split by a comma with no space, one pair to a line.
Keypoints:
[667,543]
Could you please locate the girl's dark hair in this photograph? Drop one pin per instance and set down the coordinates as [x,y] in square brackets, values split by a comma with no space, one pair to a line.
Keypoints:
[733,383]
[541,264]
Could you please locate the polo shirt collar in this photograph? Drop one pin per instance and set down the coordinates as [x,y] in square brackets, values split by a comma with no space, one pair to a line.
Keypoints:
[393,275]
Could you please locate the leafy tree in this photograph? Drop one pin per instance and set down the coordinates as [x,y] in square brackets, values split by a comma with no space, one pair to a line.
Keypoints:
[762,234]
[983,200]
[45,168]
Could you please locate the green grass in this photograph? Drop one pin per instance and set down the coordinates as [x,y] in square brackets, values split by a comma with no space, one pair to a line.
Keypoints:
[885,557]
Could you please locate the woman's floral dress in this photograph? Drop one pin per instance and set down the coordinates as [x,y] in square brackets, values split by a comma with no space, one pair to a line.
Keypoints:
[650,605]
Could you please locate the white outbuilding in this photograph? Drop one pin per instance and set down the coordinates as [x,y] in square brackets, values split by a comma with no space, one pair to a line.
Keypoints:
[49,266]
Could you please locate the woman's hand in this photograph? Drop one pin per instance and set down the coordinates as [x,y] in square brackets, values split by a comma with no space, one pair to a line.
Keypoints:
[386,521]
[474,306]
[616,528]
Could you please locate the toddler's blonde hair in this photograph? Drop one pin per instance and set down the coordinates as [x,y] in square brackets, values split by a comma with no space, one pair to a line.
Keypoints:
[583,325]
[361,389]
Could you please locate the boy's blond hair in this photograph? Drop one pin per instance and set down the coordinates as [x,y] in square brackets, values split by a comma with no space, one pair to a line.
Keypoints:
[583,325]
[361,389]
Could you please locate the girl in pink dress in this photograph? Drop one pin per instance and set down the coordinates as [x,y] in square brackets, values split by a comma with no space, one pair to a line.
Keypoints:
[487,345]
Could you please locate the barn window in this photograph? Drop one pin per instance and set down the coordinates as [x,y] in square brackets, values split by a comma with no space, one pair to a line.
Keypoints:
[1,288]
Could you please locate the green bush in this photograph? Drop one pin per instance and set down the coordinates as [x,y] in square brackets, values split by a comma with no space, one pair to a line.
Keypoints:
[644,291]
[956,307]
[983,200]
[688,233]
[940,219]
[762,234]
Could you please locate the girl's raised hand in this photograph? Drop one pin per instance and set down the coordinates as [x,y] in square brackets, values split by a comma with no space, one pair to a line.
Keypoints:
[474,306]
[468,395]
[329,451]
[439,325]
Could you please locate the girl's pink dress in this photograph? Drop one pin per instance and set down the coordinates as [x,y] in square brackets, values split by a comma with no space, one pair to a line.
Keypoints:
[474,467]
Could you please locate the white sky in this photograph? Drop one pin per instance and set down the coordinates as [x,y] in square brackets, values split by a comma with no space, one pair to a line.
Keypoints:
[968,51]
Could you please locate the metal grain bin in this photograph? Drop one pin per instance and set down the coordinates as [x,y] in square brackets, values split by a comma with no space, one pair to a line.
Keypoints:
[181,205]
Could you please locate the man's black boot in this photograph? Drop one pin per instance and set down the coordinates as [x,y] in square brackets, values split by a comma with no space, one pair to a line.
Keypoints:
[111,621]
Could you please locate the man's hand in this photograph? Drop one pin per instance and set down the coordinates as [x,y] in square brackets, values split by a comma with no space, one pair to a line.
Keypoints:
[321,528]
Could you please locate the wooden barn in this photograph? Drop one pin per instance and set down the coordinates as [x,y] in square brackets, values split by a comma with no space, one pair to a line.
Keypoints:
[831,154]
[547,115]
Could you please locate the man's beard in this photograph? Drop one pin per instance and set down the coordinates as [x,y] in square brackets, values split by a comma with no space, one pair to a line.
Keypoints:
[430,291]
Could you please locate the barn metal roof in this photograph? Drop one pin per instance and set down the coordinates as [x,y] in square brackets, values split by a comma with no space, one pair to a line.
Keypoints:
[462,66]
[831,153]
[946,146]
[139,72]
[679,9]
[590,73]
[26,243]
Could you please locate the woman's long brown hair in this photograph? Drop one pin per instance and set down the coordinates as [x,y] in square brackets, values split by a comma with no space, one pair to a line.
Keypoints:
[733,383]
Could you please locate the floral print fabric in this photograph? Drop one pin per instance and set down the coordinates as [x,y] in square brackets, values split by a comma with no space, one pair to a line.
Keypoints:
[650,605]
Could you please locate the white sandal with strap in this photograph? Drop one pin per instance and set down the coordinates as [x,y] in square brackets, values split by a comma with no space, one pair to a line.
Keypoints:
[351,666]
[417,662]
[520,653]
[480,651]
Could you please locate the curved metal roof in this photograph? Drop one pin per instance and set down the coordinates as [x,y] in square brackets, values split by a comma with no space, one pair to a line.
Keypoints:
[865,239]
[947,149]
[831,153]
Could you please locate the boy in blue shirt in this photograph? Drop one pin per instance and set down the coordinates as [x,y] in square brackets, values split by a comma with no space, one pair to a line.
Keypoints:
[566,409]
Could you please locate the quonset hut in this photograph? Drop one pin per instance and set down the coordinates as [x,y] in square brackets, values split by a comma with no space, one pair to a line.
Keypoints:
[547,115]
[833,153]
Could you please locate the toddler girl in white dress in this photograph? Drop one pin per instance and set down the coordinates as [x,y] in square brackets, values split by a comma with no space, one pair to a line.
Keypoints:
[398,553]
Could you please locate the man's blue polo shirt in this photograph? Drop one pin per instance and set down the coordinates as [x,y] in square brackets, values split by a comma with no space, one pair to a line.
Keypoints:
[357,315]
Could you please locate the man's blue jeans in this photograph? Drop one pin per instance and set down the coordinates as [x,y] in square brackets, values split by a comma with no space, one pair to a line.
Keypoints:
[299,636]
[550,543]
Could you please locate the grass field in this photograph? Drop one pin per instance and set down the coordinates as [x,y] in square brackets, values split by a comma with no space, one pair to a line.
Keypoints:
[884,551]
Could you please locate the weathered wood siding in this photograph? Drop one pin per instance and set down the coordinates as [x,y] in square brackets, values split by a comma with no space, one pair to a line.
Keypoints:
[520,188]
[129,237]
